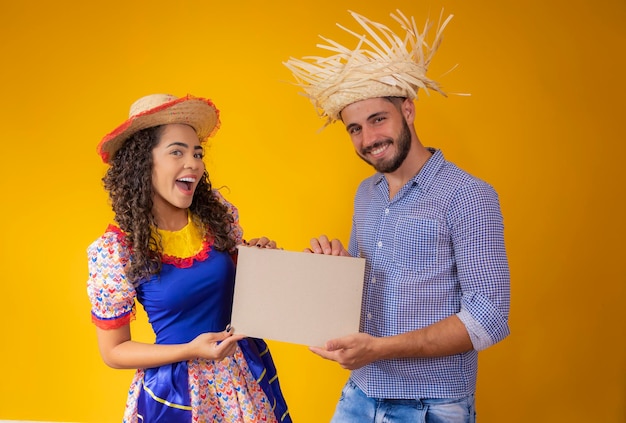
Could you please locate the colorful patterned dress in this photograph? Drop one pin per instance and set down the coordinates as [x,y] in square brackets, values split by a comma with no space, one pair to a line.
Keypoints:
[192,295]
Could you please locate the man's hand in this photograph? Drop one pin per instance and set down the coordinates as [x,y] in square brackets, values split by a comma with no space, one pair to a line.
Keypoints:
[352,351]
[322,245]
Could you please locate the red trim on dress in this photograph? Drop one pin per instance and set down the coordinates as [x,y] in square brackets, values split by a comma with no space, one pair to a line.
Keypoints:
[108,324]
[181,263]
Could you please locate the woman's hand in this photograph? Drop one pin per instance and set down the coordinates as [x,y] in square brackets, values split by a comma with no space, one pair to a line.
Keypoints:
[214,345]
[262,242]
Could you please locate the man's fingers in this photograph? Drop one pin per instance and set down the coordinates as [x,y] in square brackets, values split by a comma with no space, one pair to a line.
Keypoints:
[315,246]
[322,353]
[323,245]
[336,247]
[326,244]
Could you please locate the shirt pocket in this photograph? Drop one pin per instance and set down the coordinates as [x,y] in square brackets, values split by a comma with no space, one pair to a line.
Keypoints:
[415,243]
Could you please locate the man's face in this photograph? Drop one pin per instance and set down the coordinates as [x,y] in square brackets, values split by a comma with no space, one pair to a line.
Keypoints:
[379,133]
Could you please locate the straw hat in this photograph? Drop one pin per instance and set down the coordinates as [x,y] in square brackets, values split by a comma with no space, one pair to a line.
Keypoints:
[383,65]
[161,109]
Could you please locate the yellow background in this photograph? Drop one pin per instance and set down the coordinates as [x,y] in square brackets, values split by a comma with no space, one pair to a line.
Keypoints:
[544,125]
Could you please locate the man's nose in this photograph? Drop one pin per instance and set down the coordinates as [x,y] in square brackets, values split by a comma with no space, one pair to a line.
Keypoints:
[369,136]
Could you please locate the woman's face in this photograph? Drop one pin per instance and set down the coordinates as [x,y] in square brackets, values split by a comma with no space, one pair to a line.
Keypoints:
[176,170]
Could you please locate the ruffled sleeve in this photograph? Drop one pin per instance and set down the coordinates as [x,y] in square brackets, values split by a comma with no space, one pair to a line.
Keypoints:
[111,295]
[236,229]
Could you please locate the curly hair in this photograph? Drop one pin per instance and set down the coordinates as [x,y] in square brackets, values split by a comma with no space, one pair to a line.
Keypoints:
[129,184]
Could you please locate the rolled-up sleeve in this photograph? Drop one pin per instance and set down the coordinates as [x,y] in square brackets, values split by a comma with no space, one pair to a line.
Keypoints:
[483,271]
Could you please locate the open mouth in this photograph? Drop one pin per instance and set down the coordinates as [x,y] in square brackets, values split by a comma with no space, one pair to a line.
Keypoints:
[185,184]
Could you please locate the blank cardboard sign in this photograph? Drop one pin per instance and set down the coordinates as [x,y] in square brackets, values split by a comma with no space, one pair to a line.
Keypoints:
[296,297]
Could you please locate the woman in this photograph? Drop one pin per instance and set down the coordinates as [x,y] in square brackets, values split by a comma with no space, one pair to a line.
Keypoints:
[173,249]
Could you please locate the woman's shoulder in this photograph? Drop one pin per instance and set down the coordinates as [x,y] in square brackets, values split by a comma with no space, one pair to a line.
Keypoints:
[112,242]
[232,209]
[220,197]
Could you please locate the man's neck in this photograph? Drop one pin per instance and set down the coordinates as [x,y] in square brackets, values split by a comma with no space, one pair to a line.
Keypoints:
[414,162]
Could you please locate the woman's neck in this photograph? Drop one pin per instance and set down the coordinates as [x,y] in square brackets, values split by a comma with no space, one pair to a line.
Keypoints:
[172,220]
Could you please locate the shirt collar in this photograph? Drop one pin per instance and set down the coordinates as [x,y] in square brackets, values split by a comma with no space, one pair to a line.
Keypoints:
[426,175]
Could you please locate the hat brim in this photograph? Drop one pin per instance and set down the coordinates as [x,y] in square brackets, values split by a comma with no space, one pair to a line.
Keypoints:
[199,113]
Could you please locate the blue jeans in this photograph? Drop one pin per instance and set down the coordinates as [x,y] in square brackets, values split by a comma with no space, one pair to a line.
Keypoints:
[355,406]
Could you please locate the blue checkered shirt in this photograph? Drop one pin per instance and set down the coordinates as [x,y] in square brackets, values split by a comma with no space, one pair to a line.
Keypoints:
[434,250]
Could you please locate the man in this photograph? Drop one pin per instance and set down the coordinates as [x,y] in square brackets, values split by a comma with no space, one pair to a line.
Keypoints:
[436,288]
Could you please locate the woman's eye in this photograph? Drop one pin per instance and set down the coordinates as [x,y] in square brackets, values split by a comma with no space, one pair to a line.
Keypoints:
[198,155]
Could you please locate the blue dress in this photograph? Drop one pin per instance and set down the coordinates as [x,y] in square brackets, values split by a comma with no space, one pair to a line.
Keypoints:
[191,295]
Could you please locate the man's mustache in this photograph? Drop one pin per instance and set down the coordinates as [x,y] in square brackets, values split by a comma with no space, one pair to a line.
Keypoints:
[376,145]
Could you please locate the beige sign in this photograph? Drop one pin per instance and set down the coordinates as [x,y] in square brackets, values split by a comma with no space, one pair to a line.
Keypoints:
[296,297]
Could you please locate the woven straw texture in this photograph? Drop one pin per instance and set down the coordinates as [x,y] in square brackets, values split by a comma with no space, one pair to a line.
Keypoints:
[382,64]
[161,109]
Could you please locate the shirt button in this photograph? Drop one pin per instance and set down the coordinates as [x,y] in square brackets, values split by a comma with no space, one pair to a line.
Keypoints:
[369,315]
[386,211]
[373,280]
[380,244]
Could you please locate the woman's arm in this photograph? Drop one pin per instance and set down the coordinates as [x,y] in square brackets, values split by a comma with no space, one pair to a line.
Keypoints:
[119,351]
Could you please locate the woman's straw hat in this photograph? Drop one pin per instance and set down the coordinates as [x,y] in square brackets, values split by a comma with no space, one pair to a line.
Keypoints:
[161,109]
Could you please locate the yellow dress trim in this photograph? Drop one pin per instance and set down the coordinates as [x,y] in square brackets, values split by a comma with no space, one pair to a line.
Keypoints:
[184,243]
[260,378]
[162,401]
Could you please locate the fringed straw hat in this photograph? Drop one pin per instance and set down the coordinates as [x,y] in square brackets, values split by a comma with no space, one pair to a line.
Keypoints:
[161,109]
[383,65]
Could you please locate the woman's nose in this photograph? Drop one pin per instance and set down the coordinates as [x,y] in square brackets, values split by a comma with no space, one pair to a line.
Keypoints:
[191,162]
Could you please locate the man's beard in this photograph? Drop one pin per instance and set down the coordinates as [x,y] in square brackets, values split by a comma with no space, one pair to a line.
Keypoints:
[403,144]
